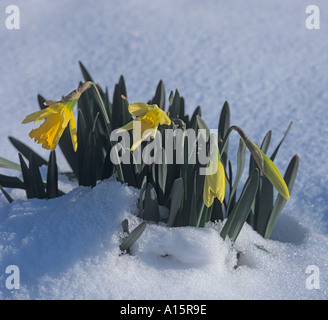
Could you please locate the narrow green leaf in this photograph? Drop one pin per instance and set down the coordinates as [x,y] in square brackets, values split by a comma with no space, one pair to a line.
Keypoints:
[266,142]
[142,197]
[174,108]
[280,143]
[117,108]
[182,108]
[26,177]
[27,151]
[102,108]
[121,83]
[265,204]
[289,177]
[85,73]
[36,179]
[11,182]
[66,147]
[125,226]
[89,174]
[6,194]
[52,177]
[224,124]
[151,209]
[176,200]
[241,211]
[159,97]
[264,147]
[193,120]
[133,236]
[41,100]
[4,163]
[240,168]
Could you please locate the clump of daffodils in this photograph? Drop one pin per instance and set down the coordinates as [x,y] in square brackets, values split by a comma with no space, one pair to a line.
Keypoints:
[191,197]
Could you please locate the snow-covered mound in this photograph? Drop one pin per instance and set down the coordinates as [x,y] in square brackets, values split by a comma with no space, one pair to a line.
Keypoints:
[68,248]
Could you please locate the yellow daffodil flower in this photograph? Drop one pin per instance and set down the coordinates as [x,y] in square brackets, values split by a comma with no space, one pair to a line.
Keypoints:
[148,118]
[266,165]
[214,185]
[57,115]
[274,176]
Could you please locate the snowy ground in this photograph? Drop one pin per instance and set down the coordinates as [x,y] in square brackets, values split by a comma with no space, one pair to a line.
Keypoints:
[256,54]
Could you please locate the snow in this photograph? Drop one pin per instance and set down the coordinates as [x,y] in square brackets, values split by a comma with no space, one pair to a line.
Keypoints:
[257,55]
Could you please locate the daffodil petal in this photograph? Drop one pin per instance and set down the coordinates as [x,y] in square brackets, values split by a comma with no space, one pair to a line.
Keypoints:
[163,118]
[274,176]
[72,129]
[38,115]
[138,109]
[128,126]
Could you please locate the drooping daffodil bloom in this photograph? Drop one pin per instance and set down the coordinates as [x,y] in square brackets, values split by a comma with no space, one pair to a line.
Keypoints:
[214,185]
[266,165]
[57,115]
[148,118]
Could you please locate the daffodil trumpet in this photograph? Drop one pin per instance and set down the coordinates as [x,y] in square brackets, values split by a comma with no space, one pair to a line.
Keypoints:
[58,115]
[214,184]
[145,125]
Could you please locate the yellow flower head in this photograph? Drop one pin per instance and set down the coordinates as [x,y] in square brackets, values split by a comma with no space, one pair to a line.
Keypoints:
[274,176]
[268,168]
[148,118]
[57,115]
[214,185]
[266,165]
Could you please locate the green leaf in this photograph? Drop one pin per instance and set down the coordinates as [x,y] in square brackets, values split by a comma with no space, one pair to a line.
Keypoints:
[133,236]
[35,178]
[41,100]
[11,182]
[6,194]
[242,208]
[289,177]
[85,73]
[117,108]
[125,226]
[26,177]
[159,97]
[224,124]
[151,209]
[121,83]
[52,177]
[240,168]
[174,108]
[142,197]
[265,204]
[4,163]
[102,108]
[264,147]
[176,200]
[89,174]
[66,147]
[193,120]
[26,151]
[182,108]
[282,140]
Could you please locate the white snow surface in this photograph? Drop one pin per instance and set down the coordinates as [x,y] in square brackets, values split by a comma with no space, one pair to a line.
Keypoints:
[258,55]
